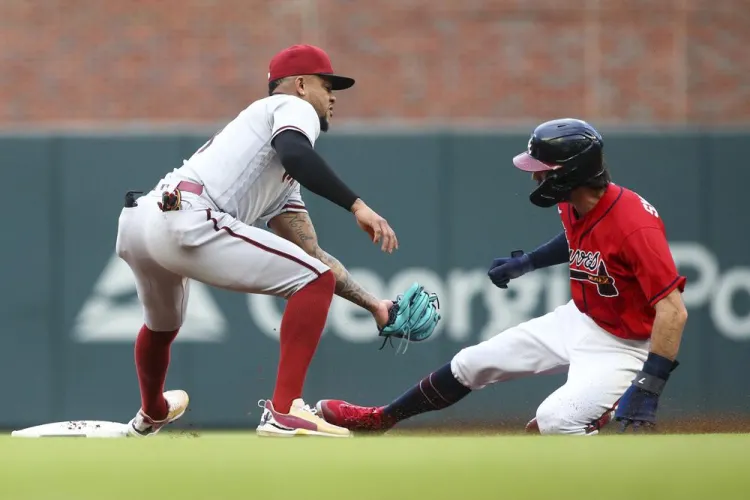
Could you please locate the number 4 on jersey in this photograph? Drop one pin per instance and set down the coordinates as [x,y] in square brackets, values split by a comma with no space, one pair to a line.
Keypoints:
[648,207]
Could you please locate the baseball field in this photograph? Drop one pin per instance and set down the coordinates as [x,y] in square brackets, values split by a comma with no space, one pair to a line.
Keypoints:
[239,465]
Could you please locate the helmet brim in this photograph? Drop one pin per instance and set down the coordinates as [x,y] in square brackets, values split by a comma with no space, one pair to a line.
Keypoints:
[527,163]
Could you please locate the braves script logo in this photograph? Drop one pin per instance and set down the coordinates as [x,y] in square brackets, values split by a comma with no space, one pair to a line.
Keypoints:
[590,267]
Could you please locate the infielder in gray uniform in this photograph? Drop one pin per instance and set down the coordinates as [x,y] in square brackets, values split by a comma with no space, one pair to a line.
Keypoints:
[199,223]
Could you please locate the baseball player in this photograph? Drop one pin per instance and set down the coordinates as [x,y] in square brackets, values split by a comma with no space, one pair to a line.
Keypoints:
[617,338]
[204,221]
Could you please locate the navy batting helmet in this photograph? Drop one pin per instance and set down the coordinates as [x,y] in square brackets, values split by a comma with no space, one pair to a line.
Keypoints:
[570,151]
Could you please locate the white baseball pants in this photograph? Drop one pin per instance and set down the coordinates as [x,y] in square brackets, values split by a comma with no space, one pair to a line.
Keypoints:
[600,366]
[166,250]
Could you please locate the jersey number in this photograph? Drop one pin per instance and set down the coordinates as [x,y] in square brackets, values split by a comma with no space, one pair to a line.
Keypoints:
[649,207]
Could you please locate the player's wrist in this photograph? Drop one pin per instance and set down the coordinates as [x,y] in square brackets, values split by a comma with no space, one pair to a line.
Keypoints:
[376,307]
[658,366]
[527,263]
[655,373]
[552,253]
[357,205]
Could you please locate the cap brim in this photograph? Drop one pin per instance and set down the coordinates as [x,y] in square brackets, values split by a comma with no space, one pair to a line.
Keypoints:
[528,163]
[338,82]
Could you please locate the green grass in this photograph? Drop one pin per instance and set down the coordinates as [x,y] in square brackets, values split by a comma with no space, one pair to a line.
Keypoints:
[233,466]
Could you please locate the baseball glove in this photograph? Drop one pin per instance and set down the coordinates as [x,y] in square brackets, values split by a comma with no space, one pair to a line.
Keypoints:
[413,317]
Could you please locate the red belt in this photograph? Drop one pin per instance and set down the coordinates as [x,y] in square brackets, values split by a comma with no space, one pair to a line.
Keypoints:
[190,187]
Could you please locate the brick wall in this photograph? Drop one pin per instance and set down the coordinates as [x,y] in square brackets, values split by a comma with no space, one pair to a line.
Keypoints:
[631,61]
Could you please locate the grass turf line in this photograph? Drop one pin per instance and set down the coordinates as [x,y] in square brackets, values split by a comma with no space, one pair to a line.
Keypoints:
[229,466]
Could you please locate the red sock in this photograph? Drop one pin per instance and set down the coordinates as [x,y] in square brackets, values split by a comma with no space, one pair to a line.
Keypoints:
[151,363]
[301,327]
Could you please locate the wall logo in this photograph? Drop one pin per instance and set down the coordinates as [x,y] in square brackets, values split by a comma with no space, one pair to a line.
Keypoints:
[112,312]
[473,309]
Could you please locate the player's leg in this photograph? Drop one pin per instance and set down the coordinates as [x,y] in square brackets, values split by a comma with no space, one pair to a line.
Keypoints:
[602,367]
[531,348]
[164,297]
[221,251]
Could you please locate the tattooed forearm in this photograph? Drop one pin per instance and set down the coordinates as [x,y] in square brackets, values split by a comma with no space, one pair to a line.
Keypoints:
[303,232]
[346,287]
[298,228]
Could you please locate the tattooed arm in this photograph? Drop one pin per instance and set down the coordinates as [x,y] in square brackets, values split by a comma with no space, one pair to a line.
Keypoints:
[298,228]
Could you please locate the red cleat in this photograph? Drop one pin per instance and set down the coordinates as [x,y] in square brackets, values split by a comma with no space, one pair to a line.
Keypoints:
[355,418]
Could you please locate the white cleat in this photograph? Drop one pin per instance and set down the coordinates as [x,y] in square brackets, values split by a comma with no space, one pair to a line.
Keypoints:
[300,421]
[142,425]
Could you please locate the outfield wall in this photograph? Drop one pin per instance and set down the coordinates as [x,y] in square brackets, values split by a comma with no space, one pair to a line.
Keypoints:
[70,310]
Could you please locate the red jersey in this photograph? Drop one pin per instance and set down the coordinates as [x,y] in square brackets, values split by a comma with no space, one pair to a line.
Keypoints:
[620,262]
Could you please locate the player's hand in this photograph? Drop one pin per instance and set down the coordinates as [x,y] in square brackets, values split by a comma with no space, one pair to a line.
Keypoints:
[376,226]
[504,269]
[381,312]
[637,409]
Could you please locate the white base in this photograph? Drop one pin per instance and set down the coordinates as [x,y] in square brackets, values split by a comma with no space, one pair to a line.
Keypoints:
[75,428]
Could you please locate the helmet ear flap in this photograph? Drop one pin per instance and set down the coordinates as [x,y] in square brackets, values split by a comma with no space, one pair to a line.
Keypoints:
[560,182]
[541,200]
[549,193]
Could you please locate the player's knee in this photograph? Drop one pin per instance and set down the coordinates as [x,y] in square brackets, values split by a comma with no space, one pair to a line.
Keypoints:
[325,282]
[552,419]
[323,278]
[164,323]
[548,419]
[472,368]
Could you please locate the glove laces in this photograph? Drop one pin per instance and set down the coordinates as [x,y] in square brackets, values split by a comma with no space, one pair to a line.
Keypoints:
[404,338]
[403,341]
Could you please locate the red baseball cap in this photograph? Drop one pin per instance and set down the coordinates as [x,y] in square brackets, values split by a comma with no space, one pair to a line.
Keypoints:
[306,60]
